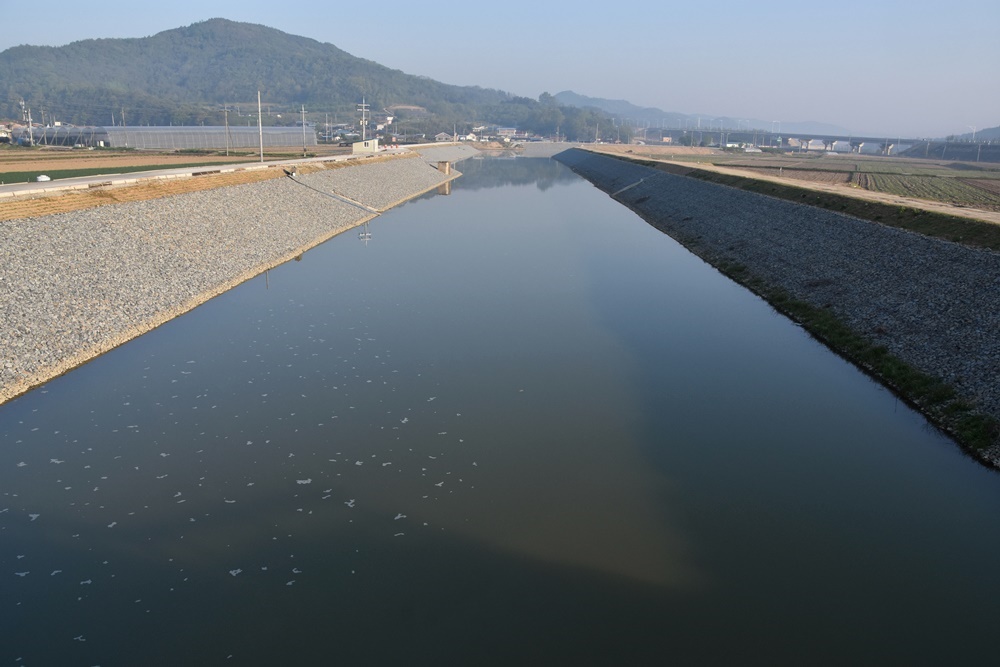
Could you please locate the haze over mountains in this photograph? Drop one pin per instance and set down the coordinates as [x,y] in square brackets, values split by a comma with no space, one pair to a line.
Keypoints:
[658,118]
[188,75]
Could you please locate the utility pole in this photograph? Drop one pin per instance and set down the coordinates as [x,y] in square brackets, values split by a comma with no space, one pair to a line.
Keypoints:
[226,110]
[26,116]
[303,130]
[260,128]
[363,108]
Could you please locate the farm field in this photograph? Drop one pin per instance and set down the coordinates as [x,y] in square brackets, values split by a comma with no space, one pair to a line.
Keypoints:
[965,185]
[955,183]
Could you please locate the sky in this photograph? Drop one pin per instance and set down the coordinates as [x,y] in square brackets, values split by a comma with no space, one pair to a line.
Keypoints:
[911,68]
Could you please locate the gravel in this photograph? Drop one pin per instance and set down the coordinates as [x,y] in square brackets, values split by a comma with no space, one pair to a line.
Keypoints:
[932,303]
[75,285]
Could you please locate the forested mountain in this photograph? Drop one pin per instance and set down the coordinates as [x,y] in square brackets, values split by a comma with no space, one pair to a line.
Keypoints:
[186,76]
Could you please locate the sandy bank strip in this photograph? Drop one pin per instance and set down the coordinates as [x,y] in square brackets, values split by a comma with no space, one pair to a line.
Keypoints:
[77,284]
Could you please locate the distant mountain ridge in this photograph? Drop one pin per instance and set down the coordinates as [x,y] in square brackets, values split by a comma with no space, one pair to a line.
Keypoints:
[622,109]
[182,75]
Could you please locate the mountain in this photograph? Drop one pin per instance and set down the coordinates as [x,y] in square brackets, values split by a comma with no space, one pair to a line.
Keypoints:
[186,75]
[623,110]
[988,134]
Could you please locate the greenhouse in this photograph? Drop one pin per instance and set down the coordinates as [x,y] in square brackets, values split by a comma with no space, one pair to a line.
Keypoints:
[169,137]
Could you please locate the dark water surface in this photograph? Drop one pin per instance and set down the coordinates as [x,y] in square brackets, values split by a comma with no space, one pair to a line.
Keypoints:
[518,426]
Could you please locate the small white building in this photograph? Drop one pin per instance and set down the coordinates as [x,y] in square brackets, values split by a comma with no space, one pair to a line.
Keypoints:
[442,136]
[366,146]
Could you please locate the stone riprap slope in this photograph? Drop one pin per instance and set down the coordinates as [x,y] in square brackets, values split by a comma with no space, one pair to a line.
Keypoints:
[933,304]
[75,285]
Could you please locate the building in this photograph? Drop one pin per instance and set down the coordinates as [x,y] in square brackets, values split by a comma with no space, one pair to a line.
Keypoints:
[841,147]
[366,146]
[442,136]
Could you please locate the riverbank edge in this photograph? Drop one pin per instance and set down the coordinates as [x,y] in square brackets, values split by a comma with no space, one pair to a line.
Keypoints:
[83,355]
[957,416]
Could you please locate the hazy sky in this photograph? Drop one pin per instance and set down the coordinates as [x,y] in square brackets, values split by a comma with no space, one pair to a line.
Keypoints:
[890,67]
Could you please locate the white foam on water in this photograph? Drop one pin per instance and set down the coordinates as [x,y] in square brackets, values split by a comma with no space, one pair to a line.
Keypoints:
[235,572]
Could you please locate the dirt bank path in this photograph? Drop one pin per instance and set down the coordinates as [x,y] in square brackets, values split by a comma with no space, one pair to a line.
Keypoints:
[663,154]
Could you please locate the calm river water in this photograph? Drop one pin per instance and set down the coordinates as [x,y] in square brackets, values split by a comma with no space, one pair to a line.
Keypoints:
[517,426]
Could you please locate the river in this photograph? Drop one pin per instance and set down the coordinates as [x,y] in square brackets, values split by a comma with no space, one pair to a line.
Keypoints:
[516,425]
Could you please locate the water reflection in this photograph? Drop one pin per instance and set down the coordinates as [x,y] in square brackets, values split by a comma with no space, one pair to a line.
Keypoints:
[523,423]
[487,172]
